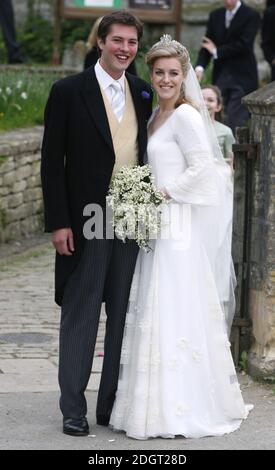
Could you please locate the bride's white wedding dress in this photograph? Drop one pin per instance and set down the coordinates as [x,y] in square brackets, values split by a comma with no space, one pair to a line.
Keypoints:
[177,374]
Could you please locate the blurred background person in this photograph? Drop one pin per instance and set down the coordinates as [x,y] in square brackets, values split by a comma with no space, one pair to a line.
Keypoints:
[92,55]
[91,45]
[9,34]
[268,36]
[229,40]
[213,100]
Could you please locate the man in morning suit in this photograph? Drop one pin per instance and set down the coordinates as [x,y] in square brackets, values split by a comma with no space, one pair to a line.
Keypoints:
[95,122]
[229,40]
[268,38]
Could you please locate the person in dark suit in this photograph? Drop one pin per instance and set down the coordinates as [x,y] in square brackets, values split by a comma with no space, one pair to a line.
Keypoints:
[229,40]
[9,34]
[86,139]
[92,54]
[268,38]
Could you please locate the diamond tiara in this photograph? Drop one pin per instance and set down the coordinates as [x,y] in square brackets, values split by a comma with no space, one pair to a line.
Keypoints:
[166,40]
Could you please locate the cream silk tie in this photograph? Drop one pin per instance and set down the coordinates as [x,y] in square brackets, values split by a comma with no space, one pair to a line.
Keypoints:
[229,15]
[118,100]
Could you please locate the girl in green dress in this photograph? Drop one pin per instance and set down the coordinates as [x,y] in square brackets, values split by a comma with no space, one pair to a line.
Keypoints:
[213,100]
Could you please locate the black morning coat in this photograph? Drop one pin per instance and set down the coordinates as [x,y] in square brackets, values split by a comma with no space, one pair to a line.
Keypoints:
[268,34]
[234,47]
[78,156]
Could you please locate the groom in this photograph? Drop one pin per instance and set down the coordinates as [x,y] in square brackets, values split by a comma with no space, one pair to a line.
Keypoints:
[95,122]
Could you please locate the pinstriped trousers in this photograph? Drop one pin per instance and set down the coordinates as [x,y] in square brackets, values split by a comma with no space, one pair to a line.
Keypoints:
[106,266]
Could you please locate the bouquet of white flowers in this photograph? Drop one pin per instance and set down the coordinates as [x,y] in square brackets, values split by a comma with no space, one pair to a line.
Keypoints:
[134,201]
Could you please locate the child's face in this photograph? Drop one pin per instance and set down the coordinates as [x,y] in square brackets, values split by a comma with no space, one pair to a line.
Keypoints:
[211,101]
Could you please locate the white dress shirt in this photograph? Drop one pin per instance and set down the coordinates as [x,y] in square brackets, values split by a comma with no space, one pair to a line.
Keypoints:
[229,14]
[105,80]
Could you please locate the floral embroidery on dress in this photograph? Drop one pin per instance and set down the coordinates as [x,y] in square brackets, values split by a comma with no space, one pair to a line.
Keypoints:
[196,355]
[181,408]
[216,311]
[174,363]
[183,343]
[153,414]
[155,359]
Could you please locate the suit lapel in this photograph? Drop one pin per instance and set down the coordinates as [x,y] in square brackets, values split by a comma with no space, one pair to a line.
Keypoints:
[236,20]
[221,23]
[93,100]
[137,100]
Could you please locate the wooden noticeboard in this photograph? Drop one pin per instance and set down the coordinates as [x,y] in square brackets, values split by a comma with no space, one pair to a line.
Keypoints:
[149,11]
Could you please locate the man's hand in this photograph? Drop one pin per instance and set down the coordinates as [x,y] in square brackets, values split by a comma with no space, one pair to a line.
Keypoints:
[199,73]
[63,241]
[208,44]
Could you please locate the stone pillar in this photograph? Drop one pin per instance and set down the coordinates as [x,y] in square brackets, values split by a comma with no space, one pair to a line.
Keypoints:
[261,359]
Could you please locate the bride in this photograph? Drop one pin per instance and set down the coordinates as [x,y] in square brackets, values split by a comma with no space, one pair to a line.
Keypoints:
[177,376]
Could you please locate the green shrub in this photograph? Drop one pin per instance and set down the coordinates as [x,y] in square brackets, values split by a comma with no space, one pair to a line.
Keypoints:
[35,37]
[73,30]
[36,40]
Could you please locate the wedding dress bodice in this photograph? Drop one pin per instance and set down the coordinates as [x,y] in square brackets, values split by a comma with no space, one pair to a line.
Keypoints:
[180,158]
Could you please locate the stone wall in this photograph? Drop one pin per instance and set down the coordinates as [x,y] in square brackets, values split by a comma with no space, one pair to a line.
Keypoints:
[21,211]
[261,104]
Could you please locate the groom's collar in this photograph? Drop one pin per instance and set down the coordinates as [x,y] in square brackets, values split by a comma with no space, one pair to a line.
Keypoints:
[105,80]
[234,11]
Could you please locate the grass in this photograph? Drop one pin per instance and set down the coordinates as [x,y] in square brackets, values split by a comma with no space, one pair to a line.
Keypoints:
[22,99]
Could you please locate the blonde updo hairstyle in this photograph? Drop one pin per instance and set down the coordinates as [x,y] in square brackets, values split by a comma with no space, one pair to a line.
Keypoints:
[169,48]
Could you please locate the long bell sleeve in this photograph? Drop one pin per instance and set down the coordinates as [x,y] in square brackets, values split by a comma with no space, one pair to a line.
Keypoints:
[198,183]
